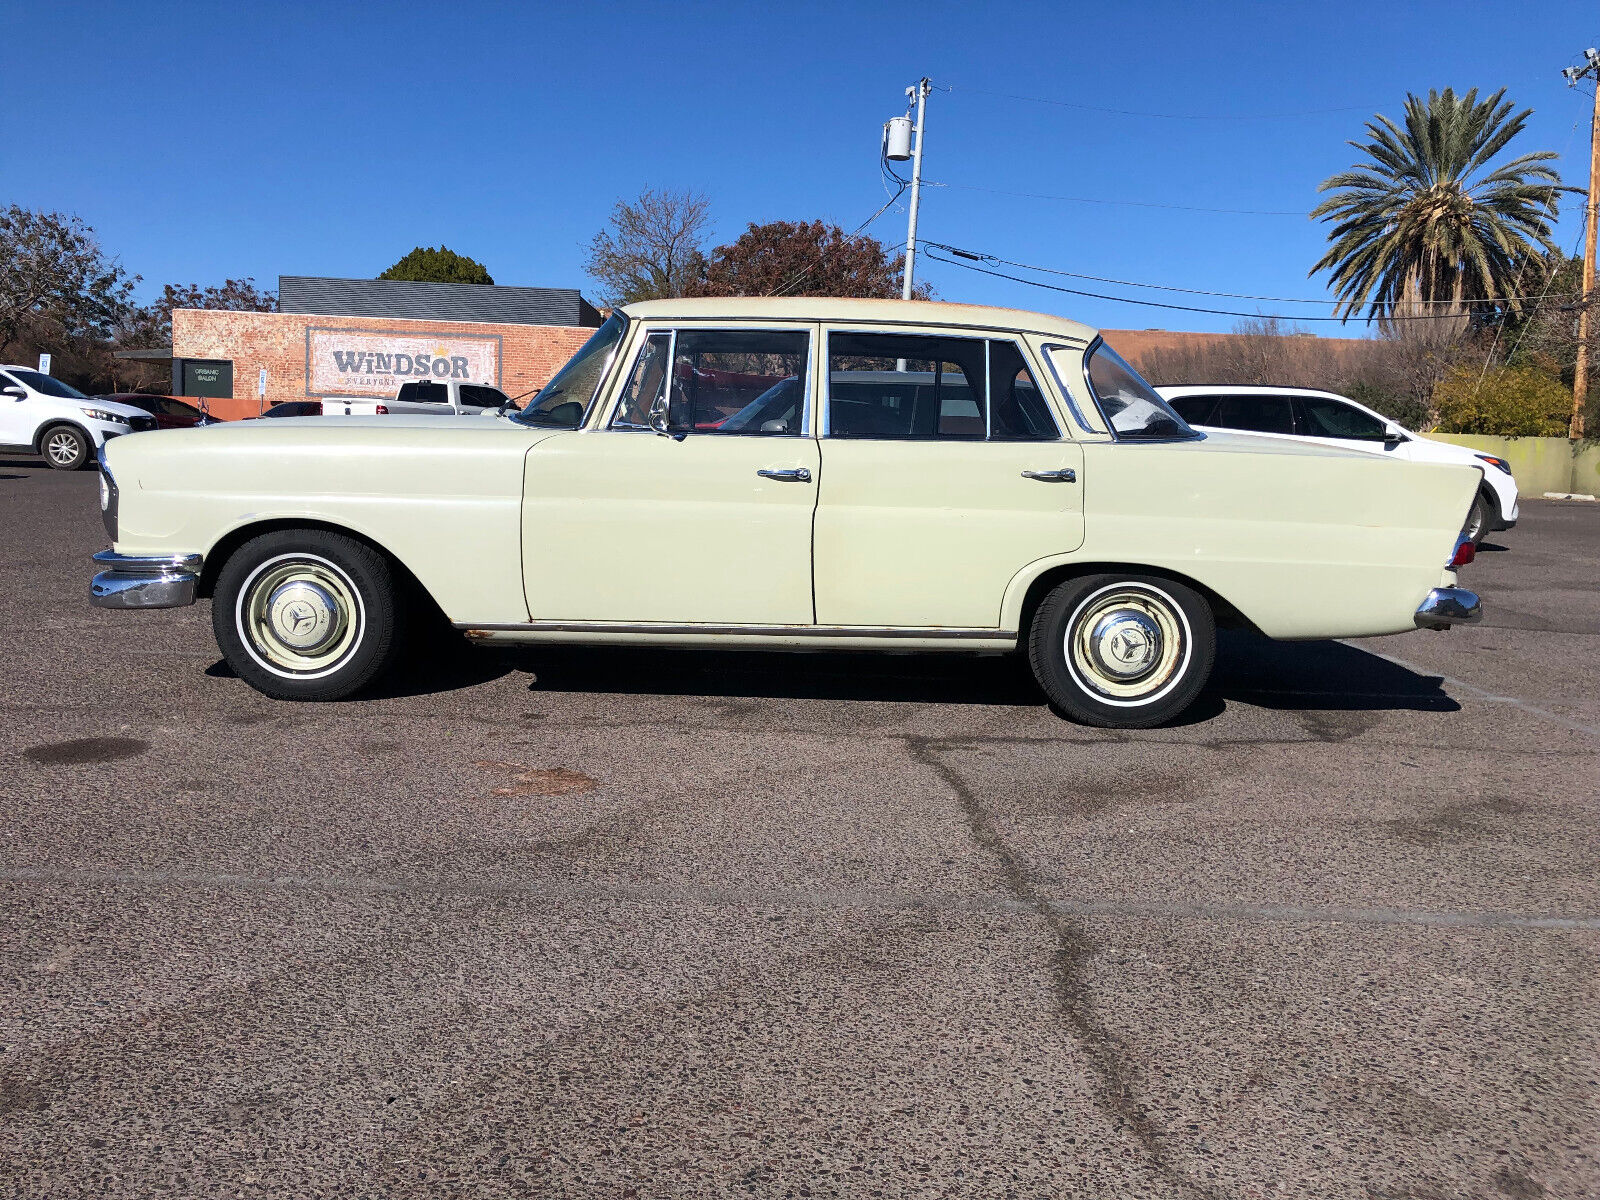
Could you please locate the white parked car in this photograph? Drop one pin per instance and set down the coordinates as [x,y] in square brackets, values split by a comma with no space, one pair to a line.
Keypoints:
[41,415]
[1309,415]
[423,397]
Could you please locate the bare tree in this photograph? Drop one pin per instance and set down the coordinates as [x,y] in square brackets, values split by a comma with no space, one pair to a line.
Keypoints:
[653,247]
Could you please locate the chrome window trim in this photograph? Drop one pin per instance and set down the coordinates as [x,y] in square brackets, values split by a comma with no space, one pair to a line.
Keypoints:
[671,326]
[611,426]
[967,334]
[1045,349]
[1027,361]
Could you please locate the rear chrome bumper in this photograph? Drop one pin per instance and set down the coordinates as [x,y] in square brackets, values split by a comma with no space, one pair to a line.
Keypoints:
[145,581]
[1445,607]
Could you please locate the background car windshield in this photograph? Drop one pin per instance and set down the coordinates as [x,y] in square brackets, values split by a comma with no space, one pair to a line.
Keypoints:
[1128,402]
[565,399]
[46,386]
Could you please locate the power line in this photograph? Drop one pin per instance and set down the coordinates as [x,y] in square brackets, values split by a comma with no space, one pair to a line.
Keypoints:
[1165,116]
[1163,287]
[1242,212]
[1220,312]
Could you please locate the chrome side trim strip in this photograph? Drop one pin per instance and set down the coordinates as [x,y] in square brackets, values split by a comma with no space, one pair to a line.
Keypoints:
[817,631]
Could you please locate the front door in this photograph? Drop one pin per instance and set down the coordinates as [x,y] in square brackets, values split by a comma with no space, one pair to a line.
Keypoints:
[944,473]
[18,422]
[708,524]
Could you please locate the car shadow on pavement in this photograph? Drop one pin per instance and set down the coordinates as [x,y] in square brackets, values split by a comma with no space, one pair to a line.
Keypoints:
[1250,669]
[1319,676]
[446,669]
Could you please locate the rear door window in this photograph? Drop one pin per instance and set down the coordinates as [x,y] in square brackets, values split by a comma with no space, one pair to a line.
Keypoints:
[895,386]
[1195,409]
[1255,413]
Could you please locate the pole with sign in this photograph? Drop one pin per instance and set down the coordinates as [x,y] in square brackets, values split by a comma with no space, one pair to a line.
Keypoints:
[44,364]
[261,391]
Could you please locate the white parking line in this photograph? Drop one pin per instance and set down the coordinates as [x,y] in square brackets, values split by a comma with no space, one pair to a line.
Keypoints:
[1486,696]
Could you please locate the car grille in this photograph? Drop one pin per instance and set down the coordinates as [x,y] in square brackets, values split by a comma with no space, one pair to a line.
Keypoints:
[140,424]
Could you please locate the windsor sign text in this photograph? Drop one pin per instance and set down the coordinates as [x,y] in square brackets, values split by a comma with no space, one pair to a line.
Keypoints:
[374,362]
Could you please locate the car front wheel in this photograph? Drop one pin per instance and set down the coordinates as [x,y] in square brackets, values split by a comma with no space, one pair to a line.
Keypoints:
[306,614]
[65,447]
[1122,651]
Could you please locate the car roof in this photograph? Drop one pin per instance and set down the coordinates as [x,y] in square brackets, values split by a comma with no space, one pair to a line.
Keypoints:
[824,308]
[1239,389]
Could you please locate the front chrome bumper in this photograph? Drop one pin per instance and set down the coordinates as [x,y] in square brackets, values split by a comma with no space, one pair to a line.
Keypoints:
[145,581]
[1445,607]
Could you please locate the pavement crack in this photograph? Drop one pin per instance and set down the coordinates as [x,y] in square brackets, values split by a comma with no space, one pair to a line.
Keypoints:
[1119,1081]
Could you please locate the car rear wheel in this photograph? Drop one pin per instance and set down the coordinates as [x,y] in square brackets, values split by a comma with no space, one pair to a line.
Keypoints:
[306,614]
[1122,651]
[65,447]
[1477,520]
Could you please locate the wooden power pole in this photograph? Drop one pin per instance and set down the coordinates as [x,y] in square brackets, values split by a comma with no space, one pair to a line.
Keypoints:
[1580,374]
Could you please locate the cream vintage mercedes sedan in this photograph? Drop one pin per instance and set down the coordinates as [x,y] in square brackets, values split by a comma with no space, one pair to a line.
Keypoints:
[793,473]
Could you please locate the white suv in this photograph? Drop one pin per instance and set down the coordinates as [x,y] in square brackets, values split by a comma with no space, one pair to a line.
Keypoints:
[42,415]
[1304,414]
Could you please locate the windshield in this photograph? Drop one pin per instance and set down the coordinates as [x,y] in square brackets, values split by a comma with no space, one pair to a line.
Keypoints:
[46,386]
[564,400]
[1128,402]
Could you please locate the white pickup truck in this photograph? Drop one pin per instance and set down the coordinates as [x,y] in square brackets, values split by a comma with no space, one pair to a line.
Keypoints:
[424,397]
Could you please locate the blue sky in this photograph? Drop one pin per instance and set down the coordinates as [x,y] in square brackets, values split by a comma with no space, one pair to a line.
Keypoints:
[212,140]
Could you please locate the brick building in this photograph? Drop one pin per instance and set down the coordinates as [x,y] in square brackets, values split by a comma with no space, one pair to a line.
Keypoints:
[365,337]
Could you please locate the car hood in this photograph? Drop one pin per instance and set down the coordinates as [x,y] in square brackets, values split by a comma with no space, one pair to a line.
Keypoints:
[349,438]
[110,406]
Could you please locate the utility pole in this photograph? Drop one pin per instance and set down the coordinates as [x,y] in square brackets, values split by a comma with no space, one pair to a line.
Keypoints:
[1591,210]
[896,135]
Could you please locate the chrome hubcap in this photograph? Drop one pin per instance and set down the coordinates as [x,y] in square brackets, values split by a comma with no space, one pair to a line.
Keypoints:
[303,614]
[300,615]
[1127,644]
[63,447]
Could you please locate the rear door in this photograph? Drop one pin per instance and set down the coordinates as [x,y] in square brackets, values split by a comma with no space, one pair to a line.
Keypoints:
[944,473]
[707,525]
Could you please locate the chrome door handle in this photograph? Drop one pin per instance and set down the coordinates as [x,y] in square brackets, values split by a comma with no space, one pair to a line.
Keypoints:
[794,475]
[1064,475]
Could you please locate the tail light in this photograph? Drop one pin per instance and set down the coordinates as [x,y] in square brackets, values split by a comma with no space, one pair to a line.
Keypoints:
[1465,552]
[382,410]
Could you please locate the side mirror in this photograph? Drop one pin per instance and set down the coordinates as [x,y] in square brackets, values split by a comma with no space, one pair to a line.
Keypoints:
[1393,435]
[15,393]
[661,420]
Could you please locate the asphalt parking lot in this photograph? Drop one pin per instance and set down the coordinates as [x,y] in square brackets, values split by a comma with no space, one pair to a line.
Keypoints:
[652,924]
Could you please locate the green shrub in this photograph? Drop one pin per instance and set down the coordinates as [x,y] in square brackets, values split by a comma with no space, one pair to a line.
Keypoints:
[1403,409]
[1503,401]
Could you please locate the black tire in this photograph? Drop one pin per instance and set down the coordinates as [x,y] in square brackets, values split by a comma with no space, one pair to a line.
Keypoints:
[1154,652]
[1477,519]
[66,447]
[305,614]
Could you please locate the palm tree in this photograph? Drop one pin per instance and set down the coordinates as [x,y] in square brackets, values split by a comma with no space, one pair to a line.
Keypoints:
[1428,225]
